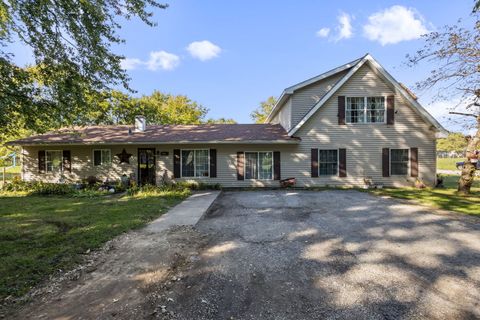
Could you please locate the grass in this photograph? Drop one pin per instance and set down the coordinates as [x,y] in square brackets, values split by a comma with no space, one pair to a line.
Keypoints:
[442,198]
[448,163]
[40,235]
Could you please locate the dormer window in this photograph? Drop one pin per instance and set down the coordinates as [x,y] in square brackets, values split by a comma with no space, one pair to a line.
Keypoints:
[365,110]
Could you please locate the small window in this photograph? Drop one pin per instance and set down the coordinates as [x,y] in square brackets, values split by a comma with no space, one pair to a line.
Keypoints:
[375,109]
[327,162]
[195,163]
[365,110]
[355,110]
[101,157]
[259,165]
[399,162]
[53,160]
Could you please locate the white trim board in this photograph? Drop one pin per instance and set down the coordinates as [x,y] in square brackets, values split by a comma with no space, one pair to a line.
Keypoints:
[377,67]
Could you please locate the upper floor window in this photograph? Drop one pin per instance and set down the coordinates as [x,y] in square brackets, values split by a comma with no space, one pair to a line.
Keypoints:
[101,157]
[365,109]
[195,163]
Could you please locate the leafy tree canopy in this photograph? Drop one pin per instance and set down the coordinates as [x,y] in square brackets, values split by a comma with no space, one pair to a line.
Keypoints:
[453,142]
[71,42]
[260,114]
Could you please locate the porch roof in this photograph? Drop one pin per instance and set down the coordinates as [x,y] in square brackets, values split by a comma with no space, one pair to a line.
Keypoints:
[163,134]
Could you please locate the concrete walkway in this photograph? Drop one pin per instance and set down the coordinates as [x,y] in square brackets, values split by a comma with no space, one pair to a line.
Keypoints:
[187,213]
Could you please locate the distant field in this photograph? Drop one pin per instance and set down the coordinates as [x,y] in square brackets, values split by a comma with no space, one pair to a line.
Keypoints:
[448,163]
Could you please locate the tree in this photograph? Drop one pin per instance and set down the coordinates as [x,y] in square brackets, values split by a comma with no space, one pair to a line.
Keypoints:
[72,46]
[260,114]
[116,107]
[221,121]
[455,52]
[455,141]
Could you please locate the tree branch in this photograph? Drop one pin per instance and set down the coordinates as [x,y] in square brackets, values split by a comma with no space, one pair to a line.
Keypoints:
[464,114]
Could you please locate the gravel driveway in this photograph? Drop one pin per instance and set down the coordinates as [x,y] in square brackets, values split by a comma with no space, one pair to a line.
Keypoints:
[331,254]
[283,255]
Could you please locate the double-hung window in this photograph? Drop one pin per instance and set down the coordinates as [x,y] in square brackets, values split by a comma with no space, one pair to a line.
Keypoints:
[365,110]
[101,157]
[259,165]
[195,163]
[54,160]
[327,162]
[399,159]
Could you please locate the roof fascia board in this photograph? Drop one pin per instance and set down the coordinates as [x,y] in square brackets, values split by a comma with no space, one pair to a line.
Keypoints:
[292,141]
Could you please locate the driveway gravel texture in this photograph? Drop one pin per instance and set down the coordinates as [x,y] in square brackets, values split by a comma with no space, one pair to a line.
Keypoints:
[279,254]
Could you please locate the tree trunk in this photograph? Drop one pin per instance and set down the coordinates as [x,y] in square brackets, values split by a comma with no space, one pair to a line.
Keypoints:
[468,170]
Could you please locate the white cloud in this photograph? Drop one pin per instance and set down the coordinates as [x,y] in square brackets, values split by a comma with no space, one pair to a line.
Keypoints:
[344,28]
[323,33]
[130,63]
[204,50]
[394,24]
[158,60]
[162,60]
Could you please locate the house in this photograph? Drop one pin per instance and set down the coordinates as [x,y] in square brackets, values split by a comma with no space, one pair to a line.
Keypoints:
[342,127]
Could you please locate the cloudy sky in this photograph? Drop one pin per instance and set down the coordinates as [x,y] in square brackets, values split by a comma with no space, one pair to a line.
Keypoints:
[230,55]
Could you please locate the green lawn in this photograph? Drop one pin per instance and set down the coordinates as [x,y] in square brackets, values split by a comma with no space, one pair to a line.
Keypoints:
[40,235]
[448,163]
[443,198]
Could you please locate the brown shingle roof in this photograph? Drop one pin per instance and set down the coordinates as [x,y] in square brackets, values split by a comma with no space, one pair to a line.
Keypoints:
[226,133]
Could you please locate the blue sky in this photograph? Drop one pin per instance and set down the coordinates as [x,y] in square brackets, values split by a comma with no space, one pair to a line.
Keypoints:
[246,51]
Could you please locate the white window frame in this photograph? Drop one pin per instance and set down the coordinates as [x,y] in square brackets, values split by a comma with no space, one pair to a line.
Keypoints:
[258,165]
[365,109]
[338,163]
[46,159]
[194,163]
[390,163]
[101,157]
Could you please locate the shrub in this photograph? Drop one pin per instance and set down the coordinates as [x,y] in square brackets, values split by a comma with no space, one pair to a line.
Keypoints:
[37,187]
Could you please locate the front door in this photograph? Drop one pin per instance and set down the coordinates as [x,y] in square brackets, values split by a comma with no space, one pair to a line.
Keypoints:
[146,166]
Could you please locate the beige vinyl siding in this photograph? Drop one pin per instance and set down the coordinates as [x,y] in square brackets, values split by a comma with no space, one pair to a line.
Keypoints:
[82,163]
[364,142]
[284,116]
[305,98]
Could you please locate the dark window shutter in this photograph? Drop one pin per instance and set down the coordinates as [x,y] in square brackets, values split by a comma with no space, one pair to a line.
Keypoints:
[386,162]
[314,163]
[240,165]
[41,161]
[276,165]
[67,161]
[390,110]
[414,162]
[342,162]
[341,110]
[213,163]
[97,157]
[176,163]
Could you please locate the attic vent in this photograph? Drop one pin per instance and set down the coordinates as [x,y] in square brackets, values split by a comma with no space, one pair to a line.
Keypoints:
[140,123]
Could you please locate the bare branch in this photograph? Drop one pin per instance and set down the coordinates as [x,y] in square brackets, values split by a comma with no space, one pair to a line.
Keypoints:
[464,114]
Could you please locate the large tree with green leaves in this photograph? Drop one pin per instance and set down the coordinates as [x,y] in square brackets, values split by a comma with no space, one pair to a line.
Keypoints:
[260,114]
[454,52]
[71,42]
[455,141]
